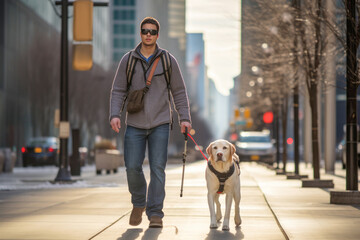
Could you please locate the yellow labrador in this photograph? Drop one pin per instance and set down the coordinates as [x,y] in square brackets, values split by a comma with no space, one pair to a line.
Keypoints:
[222,176]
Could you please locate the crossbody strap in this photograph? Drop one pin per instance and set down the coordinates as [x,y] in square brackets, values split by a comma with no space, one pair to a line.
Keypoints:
[148,81]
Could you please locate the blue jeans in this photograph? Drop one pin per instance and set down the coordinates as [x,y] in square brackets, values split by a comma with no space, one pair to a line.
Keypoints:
[134,153]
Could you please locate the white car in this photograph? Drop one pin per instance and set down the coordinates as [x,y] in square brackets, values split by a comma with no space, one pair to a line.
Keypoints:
[255,146]
[342,152]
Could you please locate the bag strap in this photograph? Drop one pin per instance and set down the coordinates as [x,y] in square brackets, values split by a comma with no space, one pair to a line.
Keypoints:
[148,81]
[166,62]
[130,69]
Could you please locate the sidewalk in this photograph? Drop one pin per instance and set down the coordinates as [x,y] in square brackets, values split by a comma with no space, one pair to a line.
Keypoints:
[98,207]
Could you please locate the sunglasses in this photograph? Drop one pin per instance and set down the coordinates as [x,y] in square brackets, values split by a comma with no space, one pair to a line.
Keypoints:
[151,31]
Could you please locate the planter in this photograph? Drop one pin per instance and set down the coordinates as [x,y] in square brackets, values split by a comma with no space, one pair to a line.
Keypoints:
[108,160]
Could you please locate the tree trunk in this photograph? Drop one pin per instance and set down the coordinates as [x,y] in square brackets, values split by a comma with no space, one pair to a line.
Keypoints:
[351,89]
[296,17]
[315,130]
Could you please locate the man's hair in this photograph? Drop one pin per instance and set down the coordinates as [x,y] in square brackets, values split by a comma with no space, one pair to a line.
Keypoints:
[150,20]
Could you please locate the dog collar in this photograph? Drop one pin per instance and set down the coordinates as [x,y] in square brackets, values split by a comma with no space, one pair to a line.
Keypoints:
[222,177]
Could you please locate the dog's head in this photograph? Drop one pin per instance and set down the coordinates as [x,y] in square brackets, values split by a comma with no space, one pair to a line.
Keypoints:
[220,150]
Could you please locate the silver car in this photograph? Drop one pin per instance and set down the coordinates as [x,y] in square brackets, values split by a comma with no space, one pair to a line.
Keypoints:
[255,146]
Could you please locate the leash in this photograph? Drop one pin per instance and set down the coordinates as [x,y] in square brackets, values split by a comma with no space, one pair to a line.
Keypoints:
[198,147]
[186,134]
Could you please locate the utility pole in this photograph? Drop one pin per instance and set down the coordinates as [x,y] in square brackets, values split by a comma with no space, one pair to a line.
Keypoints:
[351,87]
[63,174]
[277,124]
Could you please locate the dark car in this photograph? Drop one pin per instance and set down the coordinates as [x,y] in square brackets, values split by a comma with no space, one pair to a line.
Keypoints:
[41,151]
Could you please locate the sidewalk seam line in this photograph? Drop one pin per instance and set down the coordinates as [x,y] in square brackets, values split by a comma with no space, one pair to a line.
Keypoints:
[273,213]
[110,225]
[276,219]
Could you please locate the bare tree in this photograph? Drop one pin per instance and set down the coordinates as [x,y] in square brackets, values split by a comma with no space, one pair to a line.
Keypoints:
[269,24]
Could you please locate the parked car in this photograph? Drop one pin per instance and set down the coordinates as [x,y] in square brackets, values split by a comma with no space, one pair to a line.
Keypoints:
[339,149]
[255,146]
[41,151]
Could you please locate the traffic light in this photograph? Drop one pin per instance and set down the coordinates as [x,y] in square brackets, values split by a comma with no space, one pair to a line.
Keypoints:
[268,117]
[247,113]
[249,123]
[83,20]
[82,57]
[236,113]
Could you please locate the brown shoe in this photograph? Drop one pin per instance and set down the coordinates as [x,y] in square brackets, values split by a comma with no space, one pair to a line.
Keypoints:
[155,222]
[136,216]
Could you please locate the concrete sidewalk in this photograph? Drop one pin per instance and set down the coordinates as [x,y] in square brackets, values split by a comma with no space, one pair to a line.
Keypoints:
[271,208]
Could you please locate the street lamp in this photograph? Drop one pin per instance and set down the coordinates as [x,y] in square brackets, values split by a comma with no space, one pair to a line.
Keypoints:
[63,173]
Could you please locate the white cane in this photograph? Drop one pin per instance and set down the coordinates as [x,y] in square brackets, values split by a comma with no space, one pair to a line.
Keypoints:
[184,160]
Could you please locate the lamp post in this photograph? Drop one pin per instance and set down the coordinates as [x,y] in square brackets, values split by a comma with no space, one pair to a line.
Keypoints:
[63,174]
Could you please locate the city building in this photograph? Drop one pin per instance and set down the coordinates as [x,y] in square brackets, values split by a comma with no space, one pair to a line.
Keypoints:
[197,82]
[30,74]
[126,16]
[219,111]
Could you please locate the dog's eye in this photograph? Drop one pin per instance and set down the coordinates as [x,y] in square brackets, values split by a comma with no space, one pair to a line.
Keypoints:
[224,148]
[215,148]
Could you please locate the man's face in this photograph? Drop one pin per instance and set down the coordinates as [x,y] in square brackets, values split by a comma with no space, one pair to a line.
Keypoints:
[148,39]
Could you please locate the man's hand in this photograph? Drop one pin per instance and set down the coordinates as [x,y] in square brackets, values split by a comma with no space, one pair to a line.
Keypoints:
[115,124]
[185,125]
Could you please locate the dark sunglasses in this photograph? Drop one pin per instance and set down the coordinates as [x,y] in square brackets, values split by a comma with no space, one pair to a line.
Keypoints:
[151,31]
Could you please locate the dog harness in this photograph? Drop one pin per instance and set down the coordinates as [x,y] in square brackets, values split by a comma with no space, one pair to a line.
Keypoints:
[222,177]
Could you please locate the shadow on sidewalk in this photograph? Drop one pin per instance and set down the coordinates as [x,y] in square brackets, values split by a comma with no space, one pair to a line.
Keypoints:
[130,234]
[133,233]
[215,234]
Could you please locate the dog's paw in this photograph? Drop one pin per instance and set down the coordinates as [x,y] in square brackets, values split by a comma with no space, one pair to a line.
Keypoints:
[225,228]
[213,226]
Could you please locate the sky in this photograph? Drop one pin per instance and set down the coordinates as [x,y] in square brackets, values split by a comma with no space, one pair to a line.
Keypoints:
[219,21]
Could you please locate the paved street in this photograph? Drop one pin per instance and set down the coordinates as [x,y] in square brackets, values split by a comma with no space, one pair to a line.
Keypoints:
[98,207]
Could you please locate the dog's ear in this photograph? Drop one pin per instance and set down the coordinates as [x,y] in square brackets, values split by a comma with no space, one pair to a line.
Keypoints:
[208,150]
[232,148]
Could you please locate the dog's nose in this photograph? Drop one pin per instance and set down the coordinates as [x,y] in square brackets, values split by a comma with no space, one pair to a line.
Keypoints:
[219,155]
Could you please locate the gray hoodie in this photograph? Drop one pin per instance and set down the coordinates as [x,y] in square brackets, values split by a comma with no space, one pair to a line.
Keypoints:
[157,108]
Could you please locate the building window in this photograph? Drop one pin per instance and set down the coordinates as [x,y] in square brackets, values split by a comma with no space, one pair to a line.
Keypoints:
[118,55]
[124,14]
[124,43]
[124,2]
[124,28]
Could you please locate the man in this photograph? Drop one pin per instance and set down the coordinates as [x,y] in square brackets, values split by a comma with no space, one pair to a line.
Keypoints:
[149,126]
